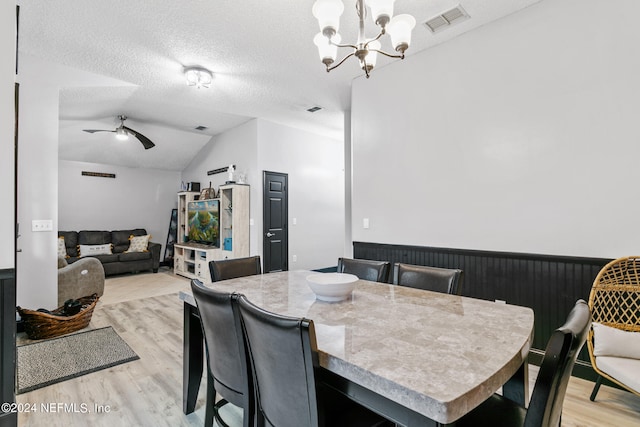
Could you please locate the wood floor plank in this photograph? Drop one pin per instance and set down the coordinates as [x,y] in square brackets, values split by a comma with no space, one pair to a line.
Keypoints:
[145,311]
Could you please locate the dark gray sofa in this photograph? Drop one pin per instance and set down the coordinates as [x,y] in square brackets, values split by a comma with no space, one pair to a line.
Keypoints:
[119,261]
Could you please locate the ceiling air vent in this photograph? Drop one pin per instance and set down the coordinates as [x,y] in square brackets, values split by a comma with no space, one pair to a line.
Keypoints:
[446,19]
[314,109]
[200,128]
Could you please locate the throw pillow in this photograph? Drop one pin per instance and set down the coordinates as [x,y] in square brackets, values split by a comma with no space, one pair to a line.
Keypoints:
[92,250]
[608,341]
[62,249]
[138,243]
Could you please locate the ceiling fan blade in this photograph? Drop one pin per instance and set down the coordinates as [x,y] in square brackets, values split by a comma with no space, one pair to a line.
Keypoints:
[146,142]
[97,130]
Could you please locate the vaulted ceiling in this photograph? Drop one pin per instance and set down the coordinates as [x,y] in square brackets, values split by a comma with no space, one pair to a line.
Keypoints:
[261,52]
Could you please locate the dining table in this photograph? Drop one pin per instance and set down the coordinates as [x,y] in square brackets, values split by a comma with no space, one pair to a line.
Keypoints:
[416,357]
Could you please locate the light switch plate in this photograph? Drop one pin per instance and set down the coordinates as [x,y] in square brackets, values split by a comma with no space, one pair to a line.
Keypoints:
[42,225]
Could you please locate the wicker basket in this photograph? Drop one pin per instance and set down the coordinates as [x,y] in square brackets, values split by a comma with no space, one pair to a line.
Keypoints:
[39,325]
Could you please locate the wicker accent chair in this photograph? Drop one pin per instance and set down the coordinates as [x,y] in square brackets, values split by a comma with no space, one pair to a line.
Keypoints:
[615,302]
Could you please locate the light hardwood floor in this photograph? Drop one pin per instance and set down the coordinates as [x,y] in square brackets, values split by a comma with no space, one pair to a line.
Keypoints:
[145,311]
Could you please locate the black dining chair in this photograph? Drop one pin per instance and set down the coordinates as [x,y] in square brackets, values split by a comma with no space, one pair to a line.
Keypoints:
[228,371]
[445,280]
[545,407]
[374,271]
[236,267]
[284,361]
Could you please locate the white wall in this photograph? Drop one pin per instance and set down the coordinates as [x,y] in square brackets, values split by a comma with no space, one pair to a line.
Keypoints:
[7,110]
[315,168]
[136,198]
[314,164]
[37,193]
[36,266]
[237,146]
[518,136]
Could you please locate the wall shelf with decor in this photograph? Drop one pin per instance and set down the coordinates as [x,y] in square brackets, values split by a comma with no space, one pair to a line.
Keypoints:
[191,258]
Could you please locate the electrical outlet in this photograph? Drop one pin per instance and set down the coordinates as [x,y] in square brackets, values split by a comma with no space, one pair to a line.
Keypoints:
[365,223]
[294,258]
[42,225]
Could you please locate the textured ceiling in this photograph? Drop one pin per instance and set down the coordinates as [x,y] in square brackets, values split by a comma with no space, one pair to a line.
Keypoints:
[261,52]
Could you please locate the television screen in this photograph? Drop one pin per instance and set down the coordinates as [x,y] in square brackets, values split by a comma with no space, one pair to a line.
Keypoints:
[204,222]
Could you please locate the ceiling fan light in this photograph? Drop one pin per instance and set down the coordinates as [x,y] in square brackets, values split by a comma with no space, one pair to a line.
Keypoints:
[122,134]
[399,29]
[198,77]
[381,11]
[326,49]
[328,13]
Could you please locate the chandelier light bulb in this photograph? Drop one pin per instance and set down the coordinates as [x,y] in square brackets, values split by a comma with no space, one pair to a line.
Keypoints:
[328,13]
[326,47]
[372,55]
[399,29]
[381,11]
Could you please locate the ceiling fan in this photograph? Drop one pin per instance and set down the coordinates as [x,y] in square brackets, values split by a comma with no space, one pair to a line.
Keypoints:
[123,132]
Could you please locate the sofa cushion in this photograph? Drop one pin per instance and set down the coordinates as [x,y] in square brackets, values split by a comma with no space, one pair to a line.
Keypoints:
[93,250]
[105,259]
[70,242]
[120,238]
[625,370]
[134,256]
[94,237]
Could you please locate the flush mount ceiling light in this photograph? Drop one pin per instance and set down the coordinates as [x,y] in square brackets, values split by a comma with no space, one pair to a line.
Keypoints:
[328,13]
[198,76]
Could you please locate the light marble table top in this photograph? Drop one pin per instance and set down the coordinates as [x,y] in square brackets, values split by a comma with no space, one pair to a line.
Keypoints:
[439,355]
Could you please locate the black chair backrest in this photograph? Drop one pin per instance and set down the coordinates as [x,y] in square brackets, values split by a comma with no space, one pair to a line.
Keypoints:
[545,407]
[436,279]
[224,340]
[375,271]
[283,355]
[236,267]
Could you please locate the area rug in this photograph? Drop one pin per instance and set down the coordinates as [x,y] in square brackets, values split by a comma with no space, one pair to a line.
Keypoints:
[59,359]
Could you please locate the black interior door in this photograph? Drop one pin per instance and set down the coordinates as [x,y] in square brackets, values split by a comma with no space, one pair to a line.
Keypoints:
[275,250]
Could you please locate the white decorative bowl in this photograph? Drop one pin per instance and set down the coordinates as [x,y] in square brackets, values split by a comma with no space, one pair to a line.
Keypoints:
[332,287]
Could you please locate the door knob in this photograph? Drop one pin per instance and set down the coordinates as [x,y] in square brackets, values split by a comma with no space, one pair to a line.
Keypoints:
[270,234]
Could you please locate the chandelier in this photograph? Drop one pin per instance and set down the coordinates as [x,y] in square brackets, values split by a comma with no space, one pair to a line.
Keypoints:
[398,27]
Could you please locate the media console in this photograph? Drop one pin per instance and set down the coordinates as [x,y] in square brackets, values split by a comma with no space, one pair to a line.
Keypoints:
[192,259]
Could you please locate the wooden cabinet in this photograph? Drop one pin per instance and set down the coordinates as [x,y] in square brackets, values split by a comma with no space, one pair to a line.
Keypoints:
[192,259]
